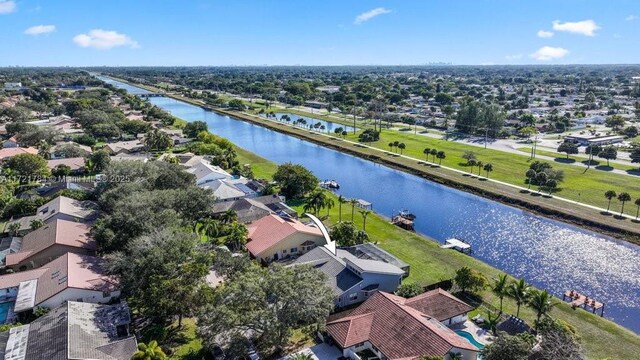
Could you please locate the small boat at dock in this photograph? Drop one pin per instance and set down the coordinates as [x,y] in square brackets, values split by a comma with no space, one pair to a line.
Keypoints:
[329,184]
[407,215]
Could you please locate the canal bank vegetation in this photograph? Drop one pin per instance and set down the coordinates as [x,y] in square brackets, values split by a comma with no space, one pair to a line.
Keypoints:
[431,264]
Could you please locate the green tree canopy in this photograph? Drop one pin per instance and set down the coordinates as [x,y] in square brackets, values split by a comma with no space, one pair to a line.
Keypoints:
[294,180]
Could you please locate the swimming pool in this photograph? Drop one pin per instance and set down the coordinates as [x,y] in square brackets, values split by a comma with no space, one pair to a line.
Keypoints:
[4,310]
[470,339]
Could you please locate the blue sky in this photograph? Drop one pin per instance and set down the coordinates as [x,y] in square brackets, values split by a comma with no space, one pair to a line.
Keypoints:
[327,32]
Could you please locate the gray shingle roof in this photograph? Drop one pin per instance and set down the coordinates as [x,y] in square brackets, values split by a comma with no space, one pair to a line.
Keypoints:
[339,278]
[78,331]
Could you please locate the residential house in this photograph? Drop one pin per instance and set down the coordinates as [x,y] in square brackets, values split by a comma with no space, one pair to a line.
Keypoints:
[372,251]
[127,147]
[185,159]
[56,149]
[69,277]
[12,86]
[247,210]
[77,164]
[65,208]
[276,203]
[6,153]
[274,237]
[73,330]
[352,279]
[205,172]
[393,327]
[50,242]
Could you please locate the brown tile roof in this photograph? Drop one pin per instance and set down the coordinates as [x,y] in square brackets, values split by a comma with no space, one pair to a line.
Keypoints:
[60,232]
[11,152]
[396,329]
[272,229]
[439,304]
[74,163]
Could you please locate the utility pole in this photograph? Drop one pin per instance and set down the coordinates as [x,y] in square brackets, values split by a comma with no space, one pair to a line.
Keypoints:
[486,133]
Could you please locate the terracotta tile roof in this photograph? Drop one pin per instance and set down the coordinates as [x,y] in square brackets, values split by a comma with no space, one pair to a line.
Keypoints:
[60,232]
[397,330]
[439,304]
[68,271]
[11,152]
[272,229]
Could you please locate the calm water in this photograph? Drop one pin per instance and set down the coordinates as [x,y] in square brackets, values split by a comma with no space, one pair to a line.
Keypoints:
[329,126]
[549,254]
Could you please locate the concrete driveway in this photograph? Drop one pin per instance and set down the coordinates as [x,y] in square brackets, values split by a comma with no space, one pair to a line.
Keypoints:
[320,352]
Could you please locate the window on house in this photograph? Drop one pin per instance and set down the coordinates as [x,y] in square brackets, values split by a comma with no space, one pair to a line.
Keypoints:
[294,250]
[122,330]
[353,296]
[284,251]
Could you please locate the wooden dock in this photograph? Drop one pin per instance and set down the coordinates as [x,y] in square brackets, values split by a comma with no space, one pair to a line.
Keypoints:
[579,300]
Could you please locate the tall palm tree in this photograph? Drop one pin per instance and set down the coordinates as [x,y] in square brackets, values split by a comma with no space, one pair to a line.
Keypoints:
[637,202]
[209,227]
[479,164]
[488,168]
[433,153]
[541,302]
[623,197]
[519,290]
[441,155]
[13,229]
[402,146]
[492,322]
[426,153]
[500,287]
[149,351]
[364,214]
[353,207]
[329,203]
[341,200]
[610,194]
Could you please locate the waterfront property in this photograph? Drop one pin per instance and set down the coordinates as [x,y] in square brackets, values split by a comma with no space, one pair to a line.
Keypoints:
[352,279]
[276,237]
[392,327]
[60,208]
[73,330]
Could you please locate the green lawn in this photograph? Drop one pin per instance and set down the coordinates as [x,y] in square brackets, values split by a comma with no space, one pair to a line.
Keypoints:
[588,187]
[578,157]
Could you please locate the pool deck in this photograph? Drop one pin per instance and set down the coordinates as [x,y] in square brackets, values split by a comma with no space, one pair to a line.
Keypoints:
[481,335]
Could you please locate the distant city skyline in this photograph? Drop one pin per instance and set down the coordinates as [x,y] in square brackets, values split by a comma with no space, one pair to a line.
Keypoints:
[330,32]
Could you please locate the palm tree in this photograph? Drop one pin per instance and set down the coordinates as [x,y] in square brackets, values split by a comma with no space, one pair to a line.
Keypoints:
[364,214]
[341,200]
[610,194]
[540,301]
[472,164]
[623,197]
[441,155]
[488,168]
[500,288]
[237,236]
[209,227]
[637,202]
[315,201]
[479,164]
[390,146]
[426,153]
[396,144]
[401,146]
[36,224]
[149,351]
[541,178]
[492,322]
[329,203]
[531,174]
[519,291]
[353,207]
[229,216]
[434,152]
[455,356]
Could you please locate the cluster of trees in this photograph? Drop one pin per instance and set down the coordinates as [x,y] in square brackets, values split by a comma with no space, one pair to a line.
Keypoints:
[369,135]
[440,155]
[473,162]
[397,146]
[623,197]
[295,180]
[475,117]
[218,150]
[544,176]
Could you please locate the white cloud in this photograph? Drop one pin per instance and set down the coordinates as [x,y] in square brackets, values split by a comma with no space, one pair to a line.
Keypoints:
[513,57]
[545,34]
[40,29]
[7,7]
[370,15]
[547,53]
[585,27]
[631,18]
[104,39]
